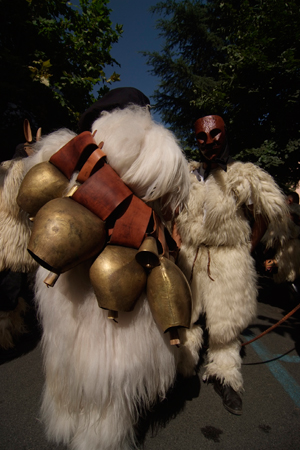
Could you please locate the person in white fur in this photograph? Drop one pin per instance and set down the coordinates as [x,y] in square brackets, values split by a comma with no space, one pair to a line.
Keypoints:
[284,264]
[100,375]
[215,253]
[15,261]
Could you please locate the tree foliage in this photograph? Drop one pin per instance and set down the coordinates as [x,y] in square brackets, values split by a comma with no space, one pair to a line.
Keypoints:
[239,59]
[52,56]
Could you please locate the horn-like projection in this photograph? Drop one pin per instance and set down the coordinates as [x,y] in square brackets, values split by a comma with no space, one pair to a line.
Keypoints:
[43,182]
[118,280]
[27,131]
[169,296]
[65,234]
[147,255]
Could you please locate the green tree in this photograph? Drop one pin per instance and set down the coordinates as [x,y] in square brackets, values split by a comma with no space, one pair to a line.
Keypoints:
[239,59]
[52,57]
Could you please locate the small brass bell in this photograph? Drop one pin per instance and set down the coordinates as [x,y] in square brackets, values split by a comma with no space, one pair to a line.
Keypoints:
[65,234]
[147,255]
[42,183]
[169,297]
[118,280]
[112,315]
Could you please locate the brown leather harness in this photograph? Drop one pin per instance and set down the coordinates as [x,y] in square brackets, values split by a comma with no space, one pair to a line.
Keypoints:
[129,219]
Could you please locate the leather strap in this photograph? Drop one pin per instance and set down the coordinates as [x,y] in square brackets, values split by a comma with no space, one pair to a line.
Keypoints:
[73,155]
[130,229]
[93,163]
[167,245]
[103,192]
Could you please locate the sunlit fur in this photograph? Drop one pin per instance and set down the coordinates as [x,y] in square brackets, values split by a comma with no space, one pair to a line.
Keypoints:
[14,224]
[224,277]
[100,374]
[144,154]
[287,254]
[47,146]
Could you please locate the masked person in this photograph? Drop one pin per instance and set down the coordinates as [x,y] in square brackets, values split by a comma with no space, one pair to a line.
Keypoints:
[229,208]
[102,372]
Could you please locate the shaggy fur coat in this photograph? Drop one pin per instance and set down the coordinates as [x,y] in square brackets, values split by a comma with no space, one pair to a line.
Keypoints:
[287,255]
[215,257]
[100,375]
[14,224]
[15,232]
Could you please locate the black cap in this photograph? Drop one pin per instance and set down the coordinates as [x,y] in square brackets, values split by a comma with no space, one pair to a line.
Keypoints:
[116,98]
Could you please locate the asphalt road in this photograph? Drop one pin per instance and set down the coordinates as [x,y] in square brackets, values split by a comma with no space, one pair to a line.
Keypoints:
[192,417]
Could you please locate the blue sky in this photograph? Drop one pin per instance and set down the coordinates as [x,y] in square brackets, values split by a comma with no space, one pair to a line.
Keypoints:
[139,34]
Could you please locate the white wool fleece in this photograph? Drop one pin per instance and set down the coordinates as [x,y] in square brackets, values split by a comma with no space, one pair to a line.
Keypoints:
[215,234]
[144,154]
[100,375]
[14,223]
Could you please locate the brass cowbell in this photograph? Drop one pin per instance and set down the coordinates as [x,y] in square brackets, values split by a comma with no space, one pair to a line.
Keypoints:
[117,279]
[65,234]
[169,296]
[42,183]
[147,255]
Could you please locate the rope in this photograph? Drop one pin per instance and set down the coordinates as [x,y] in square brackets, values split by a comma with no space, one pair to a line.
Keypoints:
[193,266]
[273,326]
[208,265]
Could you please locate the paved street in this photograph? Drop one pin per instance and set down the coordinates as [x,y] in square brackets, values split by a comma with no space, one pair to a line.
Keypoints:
[192,417]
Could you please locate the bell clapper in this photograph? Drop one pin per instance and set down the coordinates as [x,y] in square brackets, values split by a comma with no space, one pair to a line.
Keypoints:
[51,279]
[112,315]
[72,191]
[174,337]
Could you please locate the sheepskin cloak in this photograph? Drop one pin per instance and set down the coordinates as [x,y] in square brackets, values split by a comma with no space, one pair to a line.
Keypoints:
[15,261]
[287,254]
[100,374]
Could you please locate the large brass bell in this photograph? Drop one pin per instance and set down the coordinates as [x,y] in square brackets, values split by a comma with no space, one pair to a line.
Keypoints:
[42,183]
[65,234]
[118,280]
[147,255]
[169,296]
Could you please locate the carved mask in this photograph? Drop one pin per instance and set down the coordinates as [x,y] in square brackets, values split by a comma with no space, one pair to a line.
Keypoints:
[211,136]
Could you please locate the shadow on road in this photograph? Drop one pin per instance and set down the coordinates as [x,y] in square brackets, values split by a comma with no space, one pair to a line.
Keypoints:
[184,389]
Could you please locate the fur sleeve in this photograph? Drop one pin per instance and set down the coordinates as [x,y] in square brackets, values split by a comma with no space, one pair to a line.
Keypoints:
[260,189]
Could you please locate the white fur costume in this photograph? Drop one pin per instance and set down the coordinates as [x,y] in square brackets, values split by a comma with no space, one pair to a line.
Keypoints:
[14,225]
[14,234]
[287,255]
[101,374]
[215,237]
